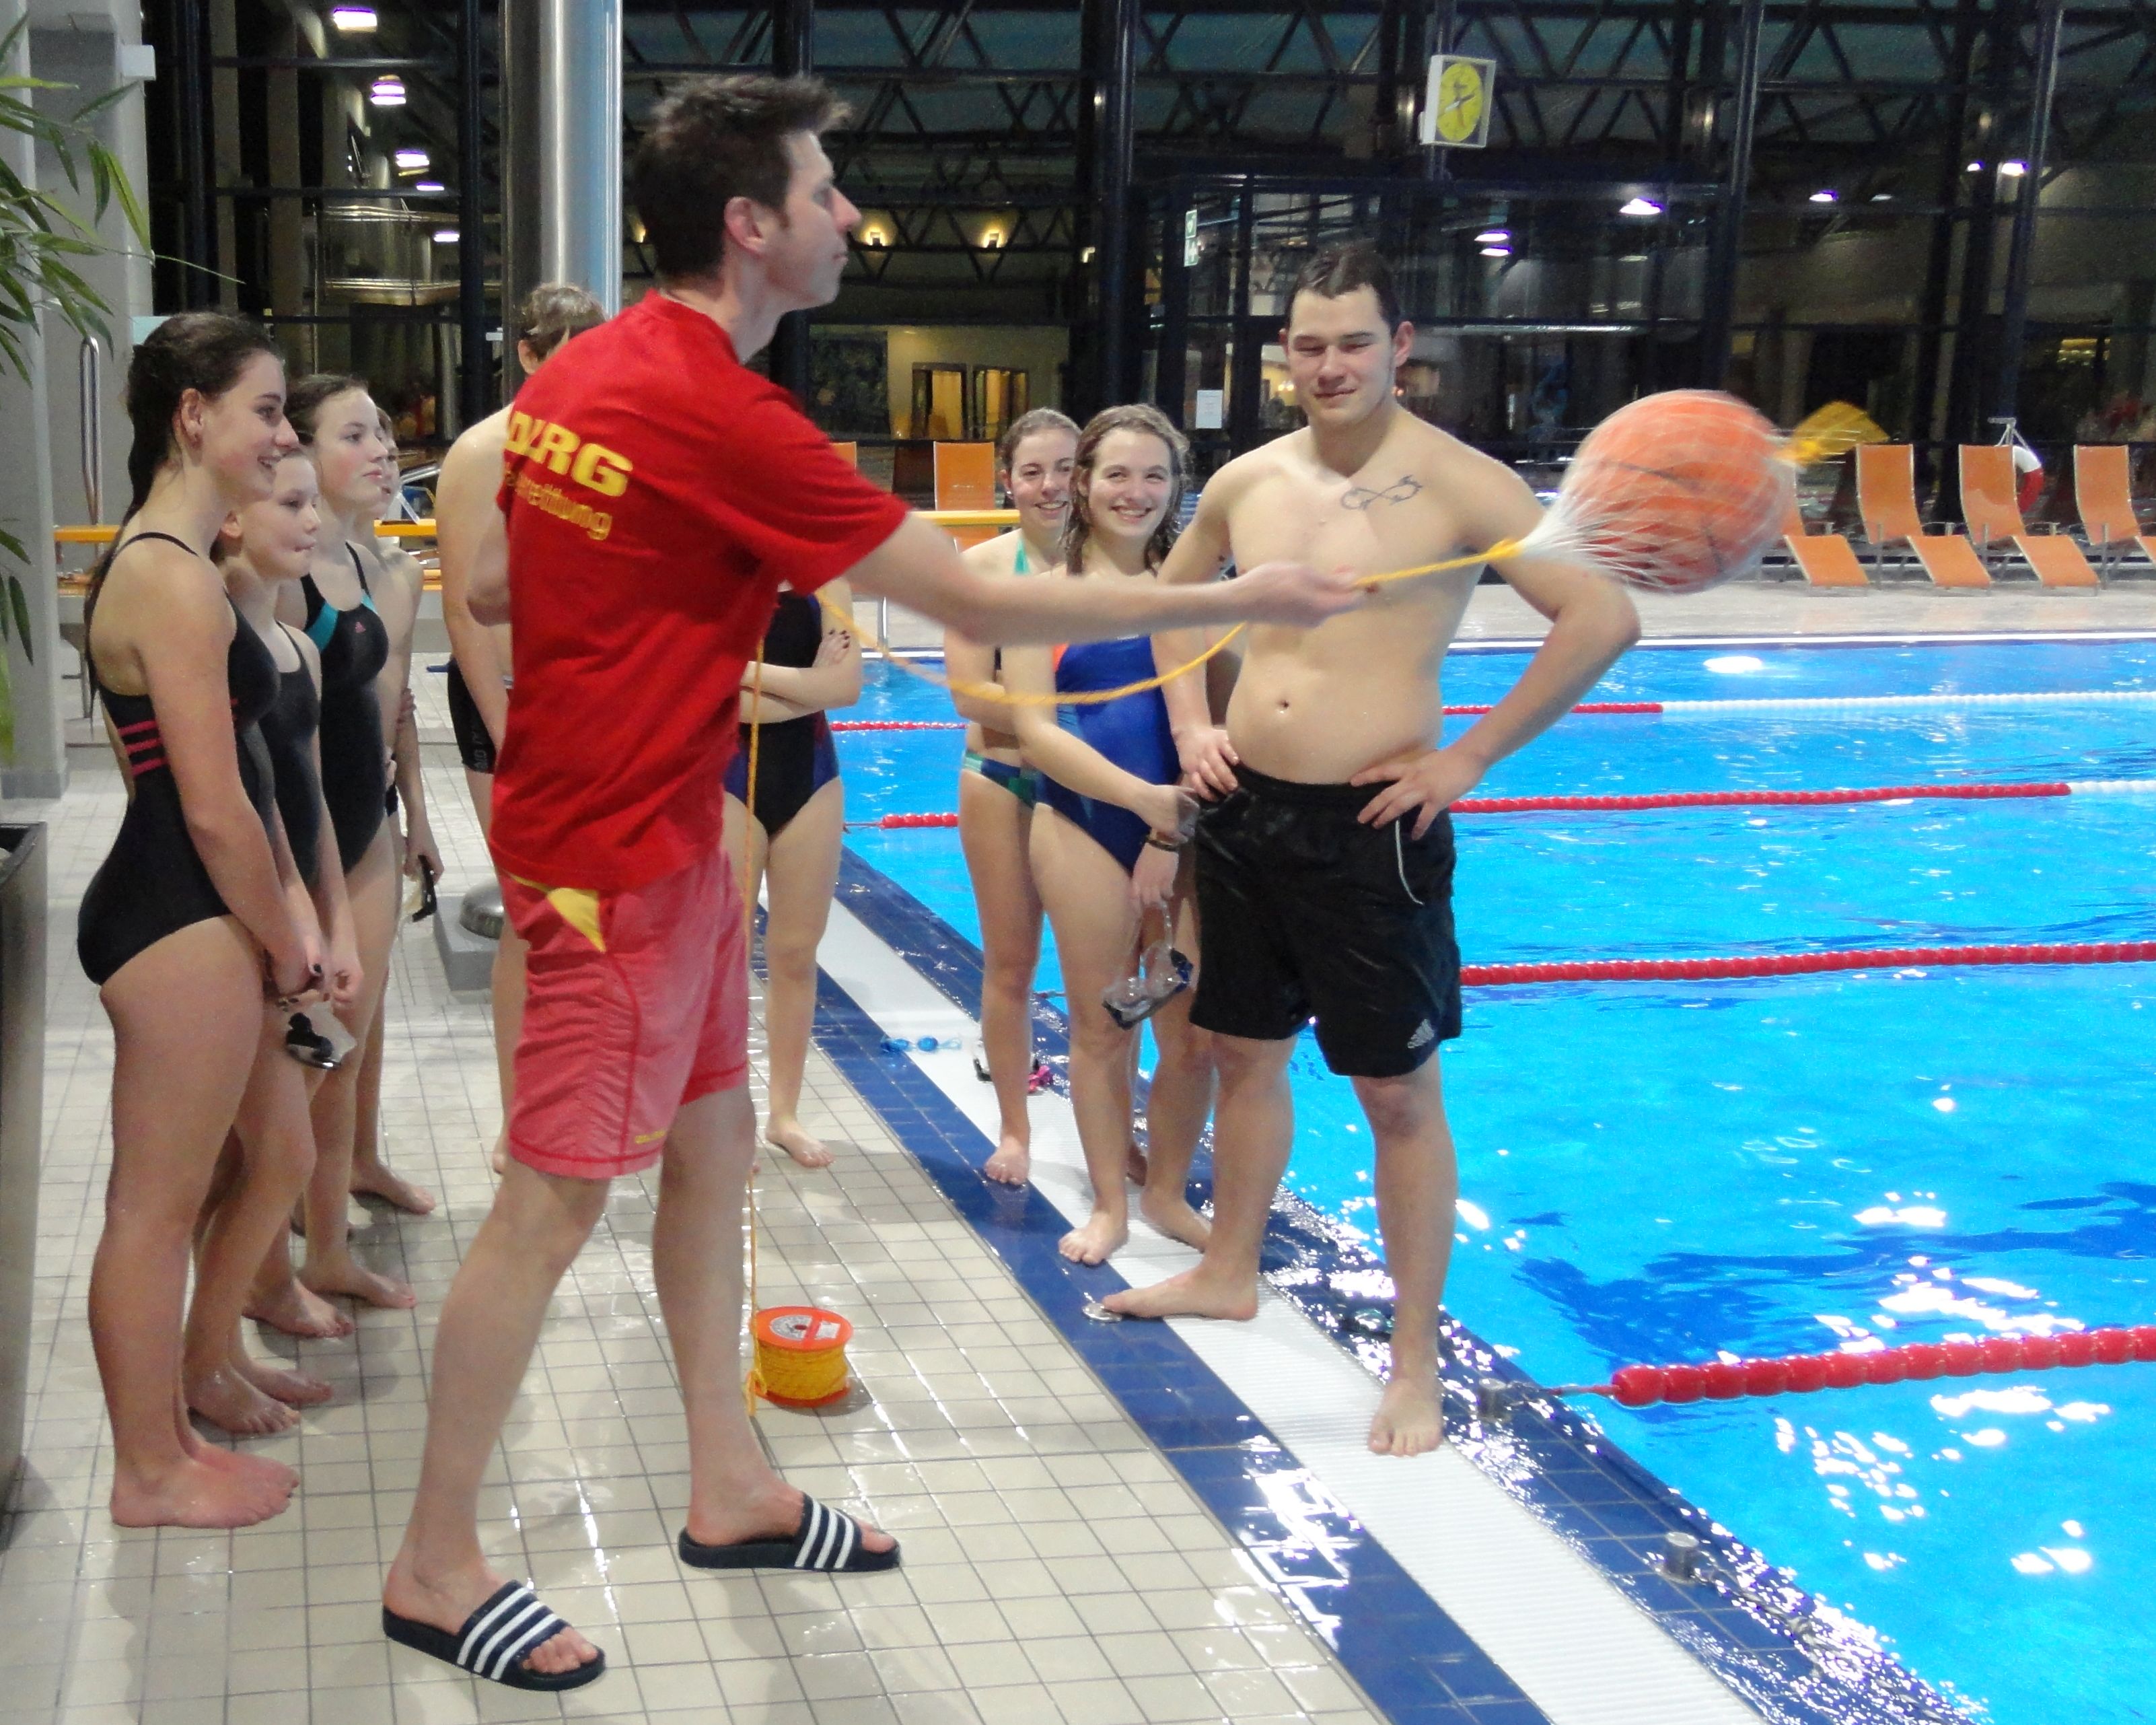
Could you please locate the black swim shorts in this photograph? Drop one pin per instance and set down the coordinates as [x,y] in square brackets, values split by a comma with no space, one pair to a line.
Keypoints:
[474,741]
[1303,911]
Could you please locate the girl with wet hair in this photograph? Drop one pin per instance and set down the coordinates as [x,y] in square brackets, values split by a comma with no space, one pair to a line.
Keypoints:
[190,922]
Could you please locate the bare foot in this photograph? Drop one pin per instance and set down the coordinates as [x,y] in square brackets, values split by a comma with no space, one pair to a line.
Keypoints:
[193,1494]
[1102,1236]
[262,1470]
[352,1279]
[225,1397]
[1012,1164]
[372,1180]
[1173,1216]
[1134,1166]
[298,1311]
[1201,1292]
[772,1512]
[449,1605]
[807,1151]
[296,1389]
[1410,1418]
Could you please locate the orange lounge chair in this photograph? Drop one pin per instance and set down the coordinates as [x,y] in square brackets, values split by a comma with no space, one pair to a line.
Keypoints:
[966,479]
[1886,498]
[2103,495]
[1827,559]
[1987,505]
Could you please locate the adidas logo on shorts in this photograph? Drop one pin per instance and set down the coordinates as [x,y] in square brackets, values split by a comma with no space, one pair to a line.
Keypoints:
[1422,1033]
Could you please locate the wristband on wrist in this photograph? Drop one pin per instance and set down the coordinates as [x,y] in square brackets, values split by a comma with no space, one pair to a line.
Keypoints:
[1172,845]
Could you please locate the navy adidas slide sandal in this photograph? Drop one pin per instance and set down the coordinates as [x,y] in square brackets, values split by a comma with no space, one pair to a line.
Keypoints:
[495,1639]
[826,1541]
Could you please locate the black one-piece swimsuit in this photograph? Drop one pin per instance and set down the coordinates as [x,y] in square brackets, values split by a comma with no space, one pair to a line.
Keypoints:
[152,882]
[354,646]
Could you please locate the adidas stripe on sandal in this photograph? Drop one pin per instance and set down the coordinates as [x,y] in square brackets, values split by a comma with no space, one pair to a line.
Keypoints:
[825,1541]
[494,1640]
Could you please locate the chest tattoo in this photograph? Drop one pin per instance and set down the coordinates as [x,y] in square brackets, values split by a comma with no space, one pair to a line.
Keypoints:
[1359,497]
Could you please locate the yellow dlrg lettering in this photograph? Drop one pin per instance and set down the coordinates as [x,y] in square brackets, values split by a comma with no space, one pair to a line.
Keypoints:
[521,427]
[554,446]
[602,470]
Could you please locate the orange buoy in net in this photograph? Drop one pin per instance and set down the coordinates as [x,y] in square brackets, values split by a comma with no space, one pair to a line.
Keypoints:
[801,1355]
[1675,492]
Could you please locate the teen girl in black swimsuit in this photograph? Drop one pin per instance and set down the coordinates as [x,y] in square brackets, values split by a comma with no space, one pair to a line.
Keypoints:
[793,834]
[334,604]
[271,1149]
[188,925]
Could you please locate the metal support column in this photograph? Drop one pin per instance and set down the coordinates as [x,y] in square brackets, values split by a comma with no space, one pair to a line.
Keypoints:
[2028,194]
[1171,382]
[1102,346]
[190,108]
[475,367]
[1719,309]
[1924,407]
[580,146]
[793,54]
[521,102]
[1975,351]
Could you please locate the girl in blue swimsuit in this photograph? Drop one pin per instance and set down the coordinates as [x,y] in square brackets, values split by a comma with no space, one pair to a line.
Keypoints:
[997,789]
[1108,785]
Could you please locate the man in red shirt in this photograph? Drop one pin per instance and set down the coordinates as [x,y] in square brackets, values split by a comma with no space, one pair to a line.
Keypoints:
[657,493]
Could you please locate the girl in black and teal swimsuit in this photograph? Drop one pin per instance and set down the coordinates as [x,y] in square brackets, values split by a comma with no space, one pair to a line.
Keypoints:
[997,789]
[1105,839]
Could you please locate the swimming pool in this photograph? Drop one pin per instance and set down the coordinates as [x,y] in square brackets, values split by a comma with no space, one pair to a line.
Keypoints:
[1661,1171]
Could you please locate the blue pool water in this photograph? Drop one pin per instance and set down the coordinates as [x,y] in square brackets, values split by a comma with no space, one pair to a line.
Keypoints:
[1664,1171]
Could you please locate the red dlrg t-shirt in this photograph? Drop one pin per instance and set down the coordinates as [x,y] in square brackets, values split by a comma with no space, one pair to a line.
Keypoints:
[657,494]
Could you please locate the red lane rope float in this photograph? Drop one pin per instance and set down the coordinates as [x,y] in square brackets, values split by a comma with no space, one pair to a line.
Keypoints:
[898,725]
[1639,970]
[1973,792]
[1803,1374]
[1677,708]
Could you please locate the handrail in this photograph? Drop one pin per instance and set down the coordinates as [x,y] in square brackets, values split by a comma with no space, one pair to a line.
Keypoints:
[103,534]
[89,384]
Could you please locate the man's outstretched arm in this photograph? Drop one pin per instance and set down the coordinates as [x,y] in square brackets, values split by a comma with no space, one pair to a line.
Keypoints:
[920,567]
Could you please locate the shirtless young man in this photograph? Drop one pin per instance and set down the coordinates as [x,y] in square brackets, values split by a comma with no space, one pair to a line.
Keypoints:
[465,514]
[1325,862]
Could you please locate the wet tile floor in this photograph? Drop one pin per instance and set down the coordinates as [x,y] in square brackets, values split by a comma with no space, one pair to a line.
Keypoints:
[1056,1567]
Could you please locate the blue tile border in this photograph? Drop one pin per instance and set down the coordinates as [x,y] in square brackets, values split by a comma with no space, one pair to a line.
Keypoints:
[1787,1653]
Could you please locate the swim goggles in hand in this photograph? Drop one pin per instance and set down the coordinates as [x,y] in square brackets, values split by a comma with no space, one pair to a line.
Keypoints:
[1163,974]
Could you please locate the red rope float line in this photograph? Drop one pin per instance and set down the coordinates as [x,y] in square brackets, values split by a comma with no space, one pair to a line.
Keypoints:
[898,725]
[1639,970]
[1977,791]
[1803,1374]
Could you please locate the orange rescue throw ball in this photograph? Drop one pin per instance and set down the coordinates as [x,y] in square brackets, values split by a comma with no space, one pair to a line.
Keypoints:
[1677,491]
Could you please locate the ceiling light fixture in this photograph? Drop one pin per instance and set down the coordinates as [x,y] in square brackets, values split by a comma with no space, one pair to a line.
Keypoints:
[1974,168]
[1497,251]
[2013,170]
[352,19]
[429,186]
[413,161]
[387,92]
[1493,236]
[1641,207]
[1882,197]
[1826,195]
[445,236]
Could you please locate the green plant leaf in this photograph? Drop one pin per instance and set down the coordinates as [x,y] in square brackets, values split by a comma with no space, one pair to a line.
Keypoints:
[13,546]
[19,603]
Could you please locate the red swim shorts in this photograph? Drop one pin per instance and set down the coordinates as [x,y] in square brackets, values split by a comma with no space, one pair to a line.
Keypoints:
[635,1004]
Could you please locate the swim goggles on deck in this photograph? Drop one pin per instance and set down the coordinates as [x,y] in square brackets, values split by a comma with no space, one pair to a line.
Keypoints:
[1163,974]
